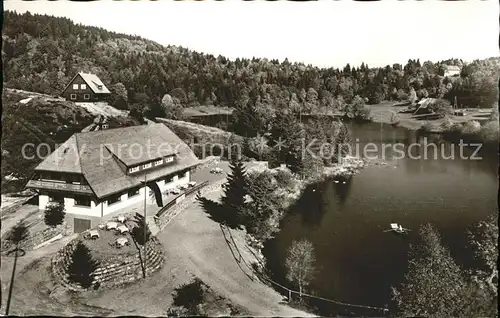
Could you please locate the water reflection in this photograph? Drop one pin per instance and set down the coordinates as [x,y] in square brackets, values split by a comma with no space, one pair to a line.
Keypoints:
[356,261]
[341,188]
[311,205]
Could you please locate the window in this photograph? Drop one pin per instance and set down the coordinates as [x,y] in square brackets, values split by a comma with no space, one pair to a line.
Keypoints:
[82,201]
[83,86]
[86,96]
[169,159]
[133,192]
[169,179]
[114,199]
[73,96]
[133,169]
[56,199]
[158,162]
[75,86]
[146,166]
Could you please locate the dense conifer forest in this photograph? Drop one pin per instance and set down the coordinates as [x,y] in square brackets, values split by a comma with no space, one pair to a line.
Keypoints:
[42,53]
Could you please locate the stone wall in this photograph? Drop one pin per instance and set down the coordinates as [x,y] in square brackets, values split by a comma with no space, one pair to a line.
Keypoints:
[35,237]
[162,221]
[112,272]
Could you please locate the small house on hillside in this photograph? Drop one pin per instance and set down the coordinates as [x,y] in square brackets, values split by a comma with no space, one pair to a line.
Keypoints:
[85,87]
[423,106]
[451,70]
[99,175]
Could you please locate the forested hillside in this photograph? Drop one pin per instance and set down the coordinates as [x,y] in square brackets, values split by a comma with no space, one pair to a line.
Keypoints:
[33,125]
[41,53]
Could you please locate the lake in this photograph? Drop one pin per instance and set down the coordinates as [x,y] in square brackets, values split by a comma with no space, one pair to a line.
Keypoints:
[356,261]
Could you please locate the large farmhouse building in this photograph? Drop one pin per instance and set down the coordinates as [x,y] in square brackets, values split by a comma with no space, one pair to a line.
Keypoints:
[85,87]
[97,175]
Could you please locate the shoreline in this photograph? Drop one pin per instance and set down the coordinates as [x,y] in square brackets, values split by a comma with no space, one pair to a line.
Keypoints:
[348,168]
[383,113]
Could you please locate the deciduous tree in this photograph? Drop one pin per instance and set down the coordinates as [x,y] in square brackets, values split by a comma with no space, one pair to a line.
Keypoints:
[299,263]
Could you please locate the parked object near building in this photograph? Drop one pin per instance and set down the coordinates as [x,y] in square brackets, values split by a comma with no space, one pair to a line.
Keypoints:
[122,229]
[85,87]
[98,174]
[216,170]
[111,226]
[92,234]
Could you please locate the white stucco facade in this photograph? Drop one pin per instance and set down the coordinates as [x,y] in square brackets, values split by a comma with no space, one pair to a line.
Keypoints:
[103,210]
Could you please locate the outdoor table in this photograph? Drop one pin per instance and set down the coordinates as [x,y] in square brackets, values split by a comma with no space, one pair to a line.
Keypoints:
[111,225]
[93,234]
[122,228]
[122,241]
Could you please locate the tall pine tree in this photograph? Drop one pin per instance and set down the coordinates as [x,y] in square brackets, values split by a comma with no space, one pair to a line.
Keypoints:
[235,190]
[82,266]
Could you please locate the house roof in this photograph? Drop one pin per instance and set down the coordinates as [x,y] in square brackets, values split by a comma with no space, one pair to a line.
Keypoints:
[93,81]
[424,102]
[103,156]
[452,68]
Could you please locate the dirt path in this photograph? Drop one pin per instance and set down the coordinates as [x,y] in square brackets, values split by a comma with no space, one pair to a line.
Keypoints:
[201,247]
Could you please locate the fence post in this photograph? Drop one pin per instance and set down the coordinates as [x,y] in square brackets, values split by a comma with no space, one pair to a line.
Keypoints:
[289,295]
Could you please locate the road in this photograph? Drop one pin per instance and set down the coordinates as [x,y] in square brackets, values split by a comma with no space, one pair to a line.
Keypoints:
[194,247]
[201,247]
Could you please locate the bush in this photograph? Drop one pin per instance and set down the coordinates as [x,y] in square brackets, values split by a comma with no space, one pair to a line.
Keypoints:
[190,296]
[54,214]
[441,107]
[471,127]
[490,131]
[357,109]
[82,266]
[284,178]
[427,127]
[18,233]
[446,124]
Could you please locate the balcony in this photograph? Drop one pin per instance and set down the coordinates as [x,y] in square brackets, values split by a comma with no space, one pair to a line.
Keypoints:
[60,186]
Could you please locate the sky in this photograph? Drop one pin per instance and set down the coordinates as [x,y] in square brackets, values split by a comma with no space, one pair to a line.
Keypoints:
[322,33]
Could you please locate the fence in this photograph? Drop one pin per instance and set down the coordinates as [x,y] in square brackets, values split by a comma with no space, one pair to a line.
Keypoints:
[239,259]
[180,196]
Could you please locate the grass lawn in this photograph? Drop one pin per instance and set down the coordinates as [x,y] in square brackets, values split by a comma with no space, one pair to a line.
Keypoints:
[101,248]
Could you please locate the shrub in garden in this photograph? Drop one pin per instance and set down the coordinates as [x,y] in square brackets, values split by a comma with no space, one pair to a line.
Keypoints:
[189,296]
[82,266]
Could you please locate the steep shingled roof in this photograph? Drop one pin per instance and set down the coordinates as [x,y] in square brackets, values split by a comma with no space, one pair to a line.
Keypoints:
[95,83]
[100,155]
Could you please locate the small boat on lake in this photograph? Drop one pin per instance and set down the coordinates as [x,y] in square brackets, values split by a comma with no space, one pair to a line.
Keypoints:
[397,228]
